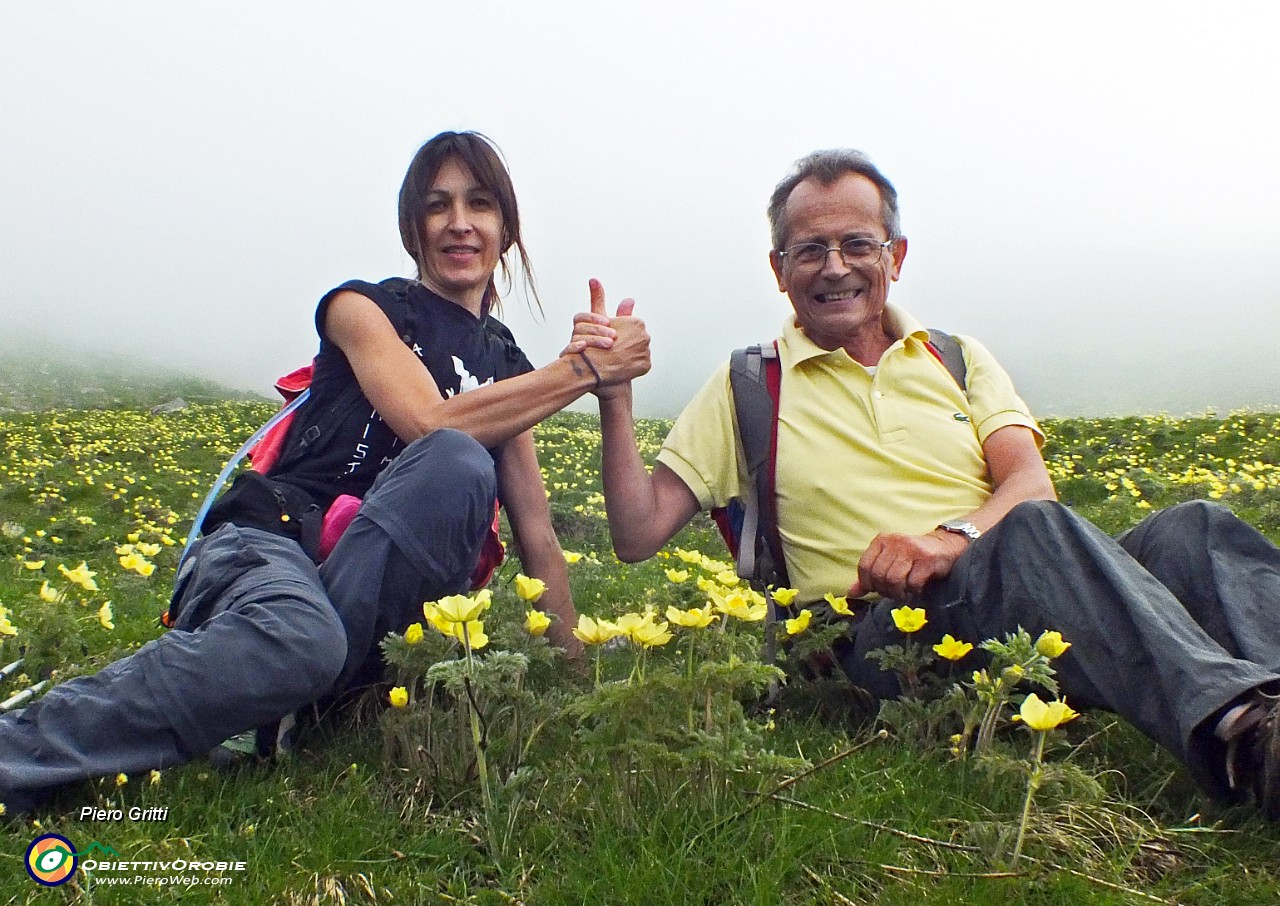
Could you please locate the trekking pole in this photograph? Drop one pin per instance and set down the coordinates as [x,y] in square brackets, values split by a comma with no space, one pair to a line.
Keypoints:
[25,695]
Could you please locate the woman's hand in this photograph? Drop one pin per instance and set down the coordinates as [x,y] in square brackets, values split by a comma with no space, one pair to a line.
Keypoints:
[591,329]
[619,346]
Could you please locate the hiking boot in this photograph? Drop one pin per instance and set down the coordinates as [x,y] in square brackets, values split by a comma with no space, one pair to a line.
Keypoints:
[275,740]
[1252,735]
[1266,783]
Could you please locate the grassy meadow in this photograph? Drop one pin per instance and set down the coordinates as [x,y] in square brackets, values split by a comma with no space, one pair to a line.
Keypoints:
[487,771]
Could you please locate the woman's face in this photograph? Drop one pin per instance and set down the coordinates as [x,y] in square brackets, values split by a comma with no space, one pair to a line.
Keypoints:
[461,236]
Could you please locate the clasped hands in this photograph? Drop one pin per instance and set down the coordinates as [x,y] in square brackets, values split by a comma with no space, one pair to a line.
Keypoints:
[617,347]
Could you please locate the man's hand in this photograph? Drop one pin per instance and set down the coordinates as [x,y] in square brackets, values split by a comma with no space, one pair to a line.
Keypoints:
[899,566]
[619,346]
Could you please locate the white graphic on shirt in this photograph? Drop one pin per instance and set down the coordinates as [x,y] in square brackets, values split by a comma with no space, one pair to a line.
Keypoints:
[466,380]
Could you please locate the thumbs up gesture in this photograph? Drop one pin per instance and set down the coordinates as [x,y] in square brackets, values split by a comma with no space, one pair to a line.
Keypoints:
[617,346]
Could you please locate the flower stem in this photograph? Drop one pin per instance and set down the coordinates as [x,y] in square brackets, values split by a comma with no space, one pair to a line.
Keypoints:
[482,767]
[1033,784]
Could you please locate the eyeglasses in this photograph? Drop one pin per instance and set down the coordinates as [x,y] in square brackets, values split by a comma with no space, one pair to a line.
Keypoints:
[853,251]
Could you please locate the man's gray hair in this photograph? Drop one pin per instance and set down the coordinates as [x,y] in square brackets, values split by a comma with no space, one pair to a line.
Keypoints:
[827,167]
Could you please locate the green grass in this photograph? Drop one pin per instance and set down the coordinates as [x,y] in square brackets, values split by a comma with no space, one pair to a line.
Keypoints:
[339,823]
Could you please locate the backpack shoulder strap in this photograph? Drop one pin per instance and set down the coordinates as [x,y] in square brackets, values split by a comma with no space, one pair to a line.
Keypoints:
[755,377]
[947,350]
[313,425]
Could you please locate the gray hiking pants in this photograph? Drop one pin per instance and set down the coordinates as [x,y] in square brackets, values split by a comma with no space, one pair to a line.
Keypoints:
[1168,623]
[261,631]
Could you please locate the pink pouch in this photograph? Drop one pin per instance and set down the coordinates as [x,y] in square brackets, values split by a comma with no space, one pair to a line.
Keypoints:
[335,522]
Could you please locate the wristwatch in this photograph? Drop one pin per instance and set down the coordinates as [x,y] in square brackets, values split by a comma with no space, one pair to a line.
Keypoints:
[961,527]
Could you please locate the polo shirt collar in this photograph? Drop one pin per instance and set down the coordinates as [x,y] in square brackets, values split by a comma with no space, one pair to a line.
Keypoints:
[795,347]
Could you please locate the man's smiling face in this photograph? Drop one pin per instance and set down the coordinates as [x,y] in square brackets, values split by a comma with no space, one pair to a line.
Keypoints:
[835,303]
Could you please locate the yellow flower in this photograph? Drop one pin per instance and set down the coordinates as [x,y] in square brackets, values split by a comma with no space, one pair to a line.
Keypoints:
[138,563]
[33,564]
[529,589]
[651,634]
[908,619]
[716,566]
[6,628]
[628,623]
[155,778]
[121,779]
[742,607]
[693,618]
[104,616]
[1013,674]
[677,575]
[2,809]
[800,622]
[123,550]
[47,593]
[1040,716]
[591,631]
[147,549]
[1050,644]
[536,622]
[413,634]
[839,604]
[399,697]
[81,575]
[728,578]
[571,556]
[951,649]
[693,558]
[474,632]
[437,619]
[463,608]
[785,596]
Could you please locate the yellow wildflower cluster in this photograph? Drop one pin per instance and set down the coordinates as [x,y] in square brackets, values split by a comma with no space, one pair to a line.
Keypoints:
[644,629]
[134,557]
[1134,458]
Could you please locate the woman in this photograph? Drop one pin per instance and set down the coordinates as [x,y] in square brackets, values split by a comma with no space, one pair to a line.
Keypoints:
[422,405]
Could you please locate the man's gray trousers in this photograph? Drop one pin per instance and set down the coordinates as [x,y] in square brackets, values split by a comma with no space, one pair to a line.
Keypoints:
[1168,623]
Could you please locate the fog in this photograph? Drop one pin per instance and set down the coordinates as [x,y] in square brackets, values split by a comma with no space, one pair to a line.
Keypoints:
[1089,188]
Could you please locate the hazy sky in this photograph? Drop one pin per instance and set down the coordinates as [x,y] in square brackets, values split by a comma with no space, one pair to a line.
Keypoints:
[1090,188]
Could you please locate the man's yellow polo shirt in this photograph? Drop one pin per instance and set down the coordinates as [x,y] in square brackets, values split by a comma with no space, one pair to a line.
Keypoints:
[899,450]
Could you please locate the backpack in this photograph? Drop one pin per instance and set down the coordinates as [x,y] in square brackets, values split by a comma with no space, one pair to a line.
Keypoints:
[749,525]
[275,444]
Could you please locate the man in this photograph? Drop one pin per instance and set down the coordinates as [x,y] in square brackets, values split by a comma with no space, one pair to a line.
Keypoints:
[893,481]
